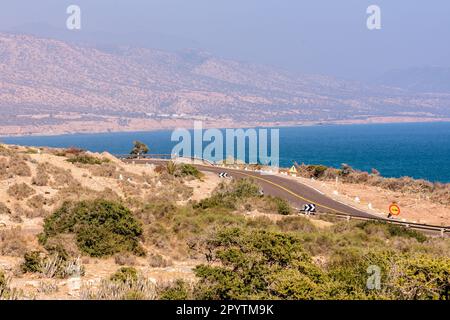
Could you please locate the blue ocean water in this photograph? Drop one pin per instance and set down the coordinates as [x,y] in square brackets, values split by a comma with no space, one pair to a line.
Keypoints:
[419,150]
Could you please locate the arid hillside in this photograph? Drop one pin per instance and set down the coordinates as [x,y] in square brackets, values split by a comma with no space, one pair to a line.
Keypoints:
[55,87]
[78,225]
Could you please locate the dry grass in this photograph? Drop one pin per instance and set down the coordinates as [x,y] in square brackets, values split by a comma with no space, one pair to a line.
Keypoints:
[107,170]
[20,191]
[125,259]
[156,260]
[13,242]
[131,289]
[14,165]
[42,178]
[437,192]
[4,209]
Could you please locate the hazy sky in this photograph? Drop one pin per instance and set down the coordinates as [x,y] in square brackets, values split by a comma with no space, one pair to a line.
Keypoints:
[314,36]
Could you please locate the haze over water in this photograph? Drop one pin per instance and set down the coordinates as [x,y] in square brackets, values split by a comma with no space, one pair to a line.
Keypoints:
[419,150]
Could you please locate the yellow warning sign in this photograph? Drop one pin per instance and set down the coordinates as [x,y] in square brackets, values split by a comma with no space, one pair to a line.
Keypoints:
[394,209]
[293,169]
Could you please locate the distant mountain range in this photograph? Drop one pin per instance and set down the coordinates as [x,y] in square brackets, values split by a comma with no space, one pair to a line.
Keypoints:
[50,86]
[423,79]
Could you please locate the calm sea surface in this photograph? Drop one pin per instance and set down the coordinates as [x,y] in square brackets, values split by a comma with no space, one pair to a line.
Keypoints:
[420,150]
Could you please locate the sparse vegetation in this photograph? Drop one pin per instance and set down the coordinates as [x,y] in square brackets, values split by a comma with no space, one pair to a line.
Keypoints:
[42,178]
[139,148]
[33,262]
[188,170]
[72,151]
[392,230]
[125,259]
[271,265]
[20,191]
[245,245]
[12,242]
[6,293]
[4,209]
[136,289]
[158,261]
[101,227]
[125,275]
[52,266]
[177,290]
[87,159]
[437,192]
[180,170]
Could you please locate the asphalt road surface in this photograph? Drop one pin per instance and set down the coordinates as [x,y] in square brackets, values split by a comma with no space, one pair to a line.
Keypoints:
[296,193]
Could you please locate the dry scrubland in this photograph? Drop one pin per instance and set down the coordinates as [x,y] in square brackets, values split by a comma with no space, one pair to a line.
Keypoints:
[80,225]
[420,200]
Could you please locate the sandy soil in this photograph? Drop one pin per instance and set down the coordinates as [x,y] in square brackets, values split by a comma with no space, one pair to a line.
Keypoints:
[376,200]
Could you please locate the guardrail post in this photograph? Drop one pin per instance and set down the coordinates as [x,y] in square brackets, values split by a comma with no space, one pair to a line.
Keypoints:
[442,232]
[348,218]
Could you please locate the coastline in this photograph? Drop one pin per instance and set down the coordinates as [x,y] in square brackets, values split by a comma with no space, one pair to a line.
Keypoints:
[51,132]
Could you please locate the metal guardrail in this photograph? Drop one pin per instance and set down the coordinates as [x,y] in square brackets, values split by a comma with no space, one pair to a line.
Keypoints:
[160,156]
[442,230]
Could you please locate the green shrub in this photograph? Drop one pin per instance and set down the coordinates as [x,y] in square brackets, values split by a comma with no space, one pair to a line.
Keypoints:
[125,275]
[283,207]
[86,159]
[253,264]
[317,171]
[296,224]
[392,230]
[179,290]
[139,148]
[32,262]
[101,227]
[6,293]
[420,277]
[228,196]
[400,231]
[185,170]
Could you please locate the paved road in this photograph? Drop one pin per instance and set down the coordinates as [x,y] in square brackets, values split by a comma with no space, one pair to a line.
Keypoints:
[296,193]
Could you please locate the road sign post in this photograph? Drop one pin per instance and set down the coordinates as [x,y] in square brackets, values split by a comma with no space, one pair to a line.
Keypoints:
[394,210]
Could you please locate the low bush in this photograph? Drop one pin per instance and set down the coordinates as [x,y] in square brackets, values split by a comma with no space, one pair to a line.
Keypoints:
[4,209]
[125,275]
[257,264]
[188,170]
[33,262]
[101,227]
[18,167]
[138,289]
[317,171]
[229,195]
[42,178]
[6,292]
[177,290]
[20,191]
[158,261]
[13,242]
[392,230]
[125,259]
[72,151]
[296,224]
[87,159]
[52,266]
[283,207]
